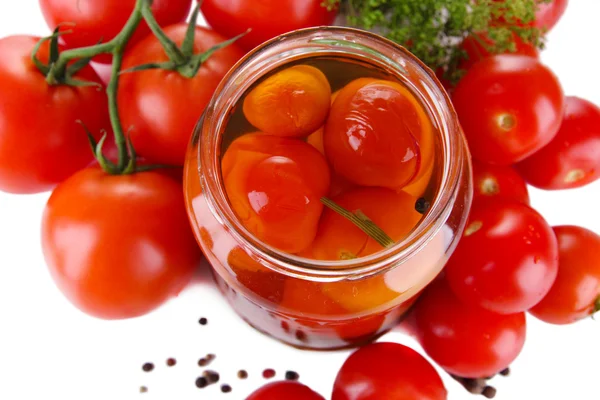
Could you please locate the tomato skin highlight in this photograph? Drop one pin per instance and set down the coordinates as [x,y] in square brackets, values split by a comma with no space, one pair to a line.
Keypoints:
[232,18]
[118,246]
[41,143]
[445,327]
[388,371]
[509,106]
[493,181]
[287,390]
[161,108]
[93,21]
[484,272]
[577,287]
[572,158]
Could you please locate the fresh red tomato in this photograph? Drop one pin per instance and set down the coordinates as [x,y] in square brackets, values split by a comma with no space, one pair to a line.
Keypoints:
[476,50]
[507,259]
[388,371]
[287,390]
[509,106]
[576,292]
[162,107]
[118,246]
[41,142]
[266,18]
[371,136]
[493,181]
[466,341]
[549,14]
[572,158]
[93,21]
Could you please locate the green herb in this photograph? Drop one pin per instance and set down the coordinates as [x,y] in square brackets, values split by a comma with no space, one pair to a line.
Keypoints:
[363,222]
[434,29]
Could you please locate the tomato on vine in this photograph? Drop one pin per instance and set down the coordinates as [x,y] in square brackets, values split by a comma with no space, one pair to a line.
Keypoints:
[127,260]
[507,259]
[572,158]
[387,371]
[90,22]
[576,292]
[466,341]
[161,106]
[41,141]
[509,106]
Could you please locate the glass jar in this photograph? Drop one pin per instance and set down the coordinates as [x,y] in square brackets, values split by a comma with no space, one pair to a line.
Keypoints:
[325,304]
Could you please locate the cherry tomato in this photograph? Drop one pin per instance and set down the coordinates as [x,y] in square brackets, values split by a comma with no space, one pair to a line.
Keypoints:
[507,259]
[466,341]
[118,246]
[162,107]
[41,142]
[274,185]
[339,239]
[492,181]
[371,135]
[388,371]
[293,102]
[575,293]
[548,14]
[572,158]
[476,50]
[509,106]
[287,390]
[93,21]
[267,18]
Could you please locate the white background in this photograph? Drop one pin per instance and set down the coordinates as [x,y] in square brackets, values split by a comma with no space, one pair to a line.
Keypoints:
[49,350]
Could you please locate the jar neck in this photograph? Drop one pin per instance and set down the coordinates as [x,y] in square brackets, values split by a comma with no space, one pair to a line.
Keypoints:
[332,42]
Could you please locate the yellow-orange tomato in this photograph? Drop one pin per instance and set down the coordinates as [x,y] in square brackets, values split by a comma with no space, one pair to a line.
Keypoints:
[315,139]
[339,239]
[293,102]
[274,185]
[371,135]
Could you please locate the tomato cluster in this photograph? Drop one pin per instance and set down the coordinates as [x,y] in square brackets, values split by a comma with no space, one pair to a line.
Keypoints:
[115,234]
[363,146]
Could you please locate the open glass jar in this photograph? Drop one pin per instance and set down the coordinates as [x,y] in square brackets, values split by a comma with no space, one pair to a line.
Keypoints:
[327,304]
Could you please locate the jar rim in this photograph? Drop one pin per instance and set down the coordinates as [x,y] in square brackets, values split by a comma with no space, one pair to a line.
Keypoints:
[299,267]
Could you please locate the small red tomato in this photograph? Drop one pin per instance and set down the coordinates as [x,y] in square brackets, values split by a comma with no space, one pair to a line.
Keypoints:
[388,371]
[509,106]
[93,21]
[507,259]
[576,292]
[118,246]
[266,18]
[548,14]
[287,390]
[493,181]
[476,50]
[371,135]
[41,143]
[572,158]
[466,341]
[161,108]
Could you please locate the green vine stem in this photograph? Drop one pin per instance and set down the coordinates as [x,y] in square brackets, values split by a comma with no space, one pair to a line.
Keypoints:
[363,222]
[59,71]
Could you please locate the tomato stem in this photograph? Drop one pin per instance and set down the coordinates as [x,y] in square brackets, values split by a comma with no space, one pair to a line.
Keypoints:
[363,222]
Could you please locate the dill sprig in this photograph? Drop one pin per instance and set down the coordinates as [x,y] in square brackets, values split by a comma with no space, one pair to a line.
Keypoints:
[434,29]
